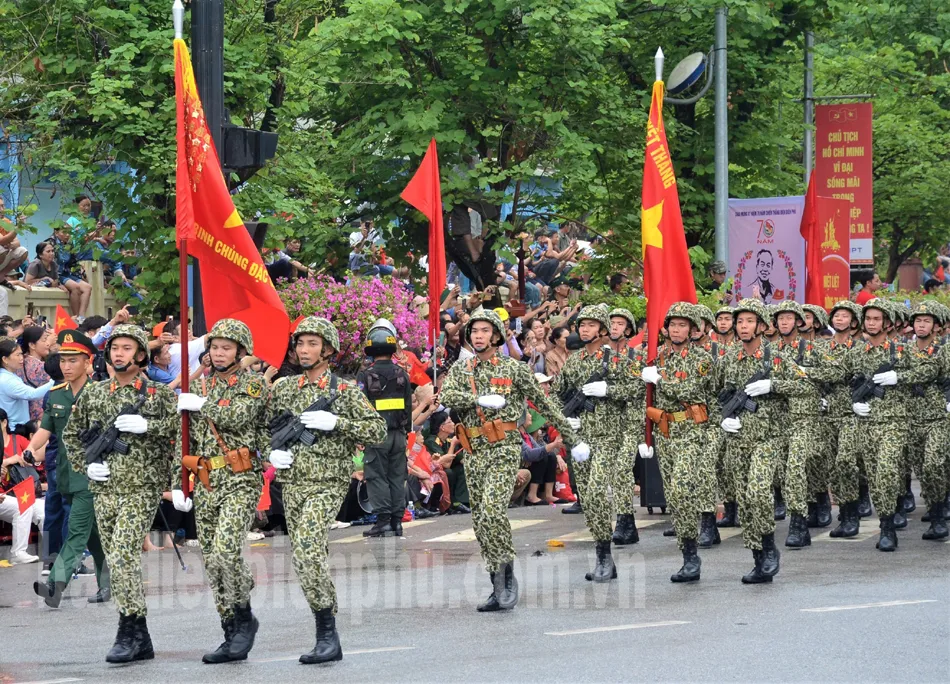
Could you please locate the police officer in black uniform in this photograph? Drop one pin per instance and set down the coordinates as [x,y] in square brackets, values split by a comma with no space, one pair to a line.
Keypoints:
[384,465]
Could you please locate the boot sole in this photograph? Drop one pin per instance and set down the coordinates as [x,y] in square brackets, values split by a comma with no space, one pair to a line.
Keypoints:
[307,661]
[590,577]
[141,656]
[624,542]
[935,537]
[765,580]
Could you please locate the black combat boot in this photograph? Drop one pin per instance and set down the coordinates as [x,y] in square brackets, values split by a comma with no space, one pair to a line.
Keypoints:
[864,501]
[382,528]
[223,653]
[798,534]
[573,509]
[604,570]
[671,532]
[756,576]
[730,515]
[824,509]
[144,639]
[780,509]
[506,586]
[691,563]
[850,523]
[132,641]
[770,556]
[51,592]
[907,502]
[938,527]
[888,538]
[327,648]
[900,518]
[626,530]
[104,595]
[491,603]
[395,524]
[708,532]
[811,519]
[245,629]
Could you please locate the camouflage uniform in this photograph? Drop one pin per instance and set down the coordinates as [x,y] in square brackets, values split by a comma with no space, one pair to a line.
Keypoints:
[716,484]
[684,382]
[236,405]
[315,486]
[604,427]
[621,476]
[125,504]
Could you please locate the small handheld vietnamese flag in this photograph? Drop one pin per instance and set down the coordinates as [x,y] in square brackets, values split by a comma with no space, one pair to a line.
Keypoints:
[63,320]
[25,494]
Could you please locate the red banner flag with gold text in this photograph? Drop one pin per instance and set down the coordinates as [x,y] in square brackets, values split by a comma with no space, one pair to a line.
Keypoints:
[667,274]
[235,283]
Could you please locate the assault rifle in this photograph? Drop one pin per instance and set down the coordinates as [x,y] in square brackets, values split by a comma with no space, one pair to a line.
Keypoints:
[863,387]
[98,443]
[735,401]
[576,402]
[286,428]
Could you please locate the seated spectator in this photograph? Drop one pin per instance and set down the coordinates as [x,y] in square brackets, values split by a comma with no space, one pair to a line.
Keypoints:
[556,356]
[35,345]
[44,271]
[544,460]
[13,446]
[427,483]
[446,451]
[286,266]
[12,254]
[14,393]
[70,276]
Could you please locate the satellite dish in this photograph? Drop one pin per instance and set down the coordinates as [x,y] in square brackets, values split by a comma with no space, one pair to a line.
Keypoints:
[686,73]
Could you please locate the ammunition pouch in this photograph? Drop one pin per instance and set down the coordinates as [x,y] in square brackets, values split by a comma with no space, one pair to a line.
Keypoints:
[199,467]
[239,460]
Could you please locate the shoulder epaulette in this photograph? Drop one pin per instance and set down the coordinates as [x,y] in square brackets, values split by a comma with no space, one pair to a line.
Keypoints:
[59,386]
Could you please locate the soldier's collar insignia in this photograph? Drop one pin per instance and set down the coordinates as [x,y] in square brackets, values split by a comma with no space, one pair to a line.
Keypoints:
[232,380]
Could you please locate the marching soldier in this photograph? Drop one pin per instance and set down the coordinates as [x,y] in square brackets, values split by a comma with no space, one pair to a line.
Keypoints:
[227,433]
[316,476]
[76,352]
[751,444]
[601,426]
[725,333]
[126,487]
[623,326]
[489,393]
[816,320]
[720,342]
[681,379]
[387,387]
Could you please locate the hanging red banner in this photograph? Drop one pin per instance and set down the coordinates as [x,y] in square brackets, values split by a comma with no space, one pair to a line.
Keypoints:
[834,229]
[843,169]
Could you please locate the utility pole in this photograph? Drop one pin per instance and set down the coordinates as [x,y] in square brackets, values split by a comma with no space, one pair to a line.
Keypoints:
[809,103]
[721,139]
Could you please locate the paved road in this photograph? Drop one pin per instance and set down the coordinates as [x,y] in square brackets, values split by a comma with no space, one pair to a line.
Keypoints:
[838,611]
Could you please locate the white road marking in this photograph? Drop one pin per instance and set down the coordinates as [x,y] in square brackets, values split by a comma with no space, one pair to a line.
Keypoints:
[864,534]
[729,532]
[469,534]
[360,537]
[618,628]
[883,604]
[284,659]
[55,681]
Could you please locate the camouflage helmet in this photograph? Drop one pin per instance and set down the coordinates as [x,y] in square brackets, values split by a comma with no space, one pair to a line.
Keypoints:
[881,305]
[943,313]
[788,306]
[820,315]
[753,306]
[927,308]
[490,317]
[234,330]
[847,305]
[312,325]
[686,311]
[595,313]
[624,313]
[725,310]
[706,314]
[128,330]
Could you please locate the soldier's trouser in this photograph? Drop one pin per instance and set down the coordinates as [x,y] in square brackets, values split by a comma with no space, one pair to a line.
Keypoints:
[724,476]
[935,472]
[844,446]
[593,477]
[818,470]
[124,520]
[881,443]
[385,470]
[781,448]
[804,443]
[684,449]
[708,463]
[753,467]
[82,533]
[490,471]
[913,460]
[55,515]
[310,510]
[622,483]
[222,518]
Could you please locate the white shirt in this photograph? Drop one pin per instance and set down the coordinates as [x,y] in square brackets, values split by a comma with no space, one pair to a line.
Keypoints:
[195,347]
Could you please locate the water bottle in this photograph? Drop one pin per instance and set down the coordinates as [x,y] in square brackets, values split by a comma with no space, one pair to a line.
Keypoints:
[412,510]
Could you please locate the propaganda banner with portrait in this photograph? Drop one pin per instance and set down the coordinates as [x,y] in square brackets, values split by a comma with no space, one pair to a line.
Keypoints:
[766,249]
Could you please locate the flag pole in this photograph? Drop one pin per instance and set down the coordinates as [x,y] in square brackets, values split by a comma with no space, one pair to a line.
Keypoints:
[658,60]
[178,16]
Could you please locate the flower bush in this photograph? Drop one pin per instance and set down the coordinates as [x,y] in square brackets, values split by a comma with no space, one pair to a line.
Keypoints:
[353,308]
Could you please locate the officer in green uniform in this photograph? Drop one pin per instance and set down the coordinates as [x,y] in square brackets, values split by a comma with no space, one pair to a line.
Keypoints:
[126,487]
[226,433]
[387,387]
[76,354]
[316,477]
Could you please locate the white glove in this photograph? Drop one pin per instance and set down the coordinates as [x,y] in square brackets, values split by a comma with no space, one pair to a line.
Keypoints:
[861,409]
[948,407]
[492,401]
[824,405]
[887,379]
[281,459]
[318,420]
[135,425]
[575,423]
[595,389]
[180,502]
[98,472]
[650,375]
[732,425]
[758,388]
[190,402]
[645,451]
[580,453]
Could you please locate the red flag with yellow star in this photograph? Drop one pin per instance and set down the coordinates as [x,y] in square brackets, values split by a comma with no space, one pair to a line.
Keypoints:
[25,493]
[235,283]
[63,320]
[667,274]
